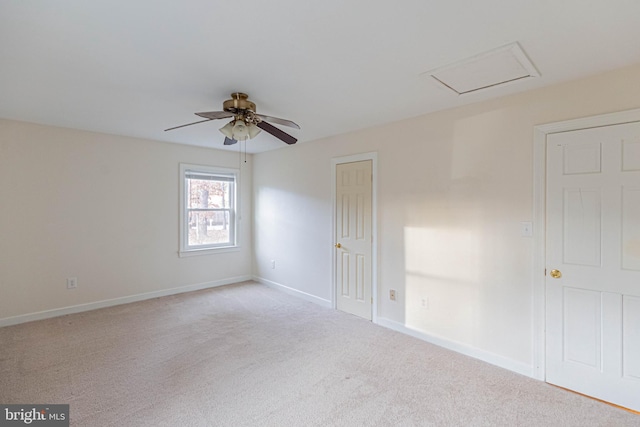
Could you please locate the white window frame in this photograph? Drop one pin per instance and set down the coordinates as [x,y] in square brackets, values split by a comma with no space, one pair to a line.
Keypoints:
[185,249]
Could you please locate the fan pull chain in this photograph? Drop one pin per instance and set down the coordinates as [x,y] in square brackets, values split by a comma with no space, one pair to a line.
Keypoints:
[245,151]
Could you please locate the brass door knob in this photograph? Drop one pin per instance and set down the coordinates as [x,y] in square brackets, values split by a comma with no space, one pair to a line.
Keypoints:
[338,245]
[556,274]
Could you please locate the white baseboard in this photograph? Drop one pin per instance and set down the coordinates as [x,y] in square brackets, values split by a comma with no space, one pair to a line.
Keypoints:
[485,356]
[312,298]
[476,353]
[467,350]
[7,321]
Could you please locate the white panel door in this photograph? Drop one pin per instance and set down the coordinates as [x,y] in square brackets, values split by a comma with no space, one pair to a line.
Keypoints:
[593,262]
[353,238]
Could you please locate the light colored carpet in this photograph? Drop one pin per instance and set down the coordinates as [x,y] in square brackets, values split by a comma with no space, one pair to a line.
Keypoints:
[248,355]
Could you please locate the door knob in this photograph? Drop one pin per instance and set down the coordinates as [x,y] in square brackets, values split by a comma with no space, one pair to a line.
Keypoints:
[556,274]
[338,245]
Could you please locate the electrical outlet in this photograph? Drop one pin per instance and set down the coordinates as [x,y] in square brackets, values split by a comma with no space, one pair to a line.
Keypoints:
[392,294]
[425,303]
[273,264]
[526,229]
[72,282]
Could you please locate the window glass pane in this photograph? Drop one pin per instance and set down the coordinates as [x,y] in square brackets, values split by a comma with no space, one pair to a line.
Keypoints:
[207,193]
[207,208]
[209,228]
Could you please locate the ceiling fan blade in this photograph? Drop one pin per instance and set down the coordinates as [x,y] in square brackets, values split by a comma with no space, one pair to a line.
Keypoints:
[268,127]
[283,122]
[229,141]
[215,115]
[188,124]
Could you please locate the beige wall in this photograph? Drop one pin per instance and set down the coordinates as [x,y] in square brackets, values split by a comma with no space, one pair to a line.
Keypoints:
[101,208]
[453,189]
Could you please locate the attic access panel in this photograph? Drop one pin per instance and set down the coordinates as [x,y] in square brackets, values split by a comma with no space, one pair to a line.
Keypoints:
[493,68]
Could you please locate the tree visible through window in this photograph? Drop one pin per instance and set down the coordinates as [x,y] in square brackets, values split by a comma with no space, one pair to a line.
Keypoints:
[209,209]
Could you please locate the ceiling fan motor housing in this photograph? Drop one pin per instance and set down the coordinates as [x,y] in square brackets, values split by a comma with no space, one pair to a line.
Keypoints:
[238,102]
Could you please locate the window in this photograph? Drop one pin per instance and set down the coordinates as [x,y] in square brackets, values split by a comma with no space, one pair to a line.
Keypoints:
[207,209]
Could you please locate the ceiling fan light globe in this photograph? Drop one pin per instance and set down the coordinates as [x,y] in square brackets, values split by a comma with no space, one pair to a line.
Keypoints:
[240,131]
[254,131]
[227,130]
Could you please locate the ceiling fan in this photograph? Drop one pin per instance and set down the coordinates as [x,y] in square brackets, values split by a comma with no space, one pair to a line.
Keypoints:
[246,123]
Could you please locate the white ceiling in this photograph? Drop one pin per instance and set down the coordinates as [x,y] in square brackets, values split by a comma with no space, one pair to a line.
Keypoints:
[136,67]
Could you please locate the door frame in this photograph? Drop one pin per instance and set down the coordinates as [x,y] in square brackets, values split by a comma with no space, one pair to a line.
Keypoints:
[373,156]
[540,133]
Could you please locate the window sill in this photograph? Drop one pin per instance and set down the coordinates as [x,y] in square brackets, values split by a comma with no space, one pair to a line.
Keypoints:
[208,251]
